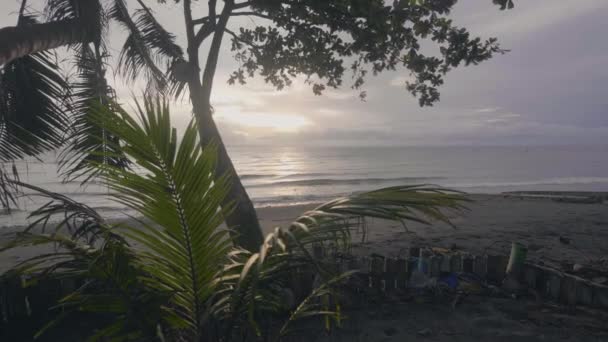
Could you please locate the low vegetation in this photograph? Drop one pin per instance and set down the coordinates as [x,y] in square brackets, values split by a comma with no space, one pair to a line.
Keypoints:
[174,272]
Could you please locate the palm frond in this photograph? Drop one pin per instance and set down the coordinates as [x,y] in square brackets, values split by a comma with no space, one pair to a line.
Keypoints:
[8,190]
[111,284]
[89,13]
[87,141]
[179,196]
[408,203]
[61,214]
[148,46]
[32,111]
[316,304]
[162,42]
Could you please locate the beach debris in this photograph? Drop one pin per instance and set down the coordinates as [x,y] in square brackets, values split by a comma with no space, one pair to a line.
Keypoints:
[517,259]
[577,268]
[564,240]
[440,250]
[449,280]
[515,267]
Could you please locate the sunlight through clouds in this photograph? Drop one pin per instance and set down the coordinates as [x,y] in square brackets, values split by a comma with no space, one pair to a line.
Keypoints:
[280,122]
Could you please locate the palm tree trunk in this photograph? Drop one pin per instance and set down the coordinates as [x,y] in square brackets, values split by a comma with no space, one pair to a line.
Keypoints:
[19,41]
[243,220]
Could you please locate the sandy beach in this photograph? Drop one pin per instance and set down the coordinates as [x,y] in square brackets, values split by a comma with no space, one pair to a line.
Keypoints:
[489,226]
[492,223]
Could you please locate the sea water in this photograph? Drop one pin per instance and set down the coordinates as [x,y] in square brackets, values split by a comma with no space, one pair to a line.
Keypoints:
[287,175]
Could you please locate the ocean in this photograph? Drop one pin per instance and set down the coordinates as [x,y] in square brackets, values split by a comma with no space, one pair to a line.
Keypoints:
[285,175]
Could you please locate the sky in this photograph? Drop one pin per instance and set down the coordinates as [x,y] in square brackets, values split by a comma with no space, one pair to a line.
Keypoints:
[550,88]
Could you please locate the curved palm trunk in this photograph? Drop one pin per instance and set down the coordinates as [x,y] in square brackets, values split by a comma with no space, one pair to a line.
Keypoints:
[19,41]
[243,220]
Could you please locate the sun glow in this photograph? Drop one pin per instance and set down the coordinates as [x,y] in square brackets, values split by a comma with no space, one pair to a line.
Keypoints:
[279,122]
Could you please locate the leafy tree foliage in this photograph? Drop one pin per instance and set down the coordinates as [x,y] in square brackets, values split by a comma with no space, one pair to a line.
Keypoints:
[324,39]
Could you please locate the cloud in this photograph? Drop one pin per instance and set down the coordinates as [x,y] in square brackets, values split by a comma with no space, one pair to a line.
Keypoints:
[400,81]
[258,120]
[329,112]
[550,87]
[488,110]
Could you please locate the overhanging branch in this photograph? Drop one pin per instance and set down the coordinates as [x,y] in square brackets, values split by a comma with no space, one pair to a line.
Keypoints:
[208,19]
[236,37]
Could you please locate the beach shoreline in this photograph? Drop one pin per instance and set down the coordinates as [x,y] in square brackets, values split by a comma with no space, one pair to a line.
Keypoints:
[488,227]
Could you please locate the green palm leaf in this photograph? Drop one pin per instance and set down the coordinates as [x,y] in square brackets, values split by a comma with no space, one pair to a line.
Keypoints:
[147,48]
[32,111]
[89,143]
[179,196]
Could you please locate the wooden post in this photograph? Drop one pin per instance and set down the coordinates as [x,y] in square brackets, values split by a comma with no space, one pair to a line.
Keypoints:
[530,276]
[584,293]
[503,261]
[567,293]
[481,267]
[435,266]
[402,274]
[456,263]
[493,266]
[542,280]
[445,263]
[391,274]
[377,272]
[600,296]
[467,264]
[424,261]
[553,287]
[412,265]
[366,267]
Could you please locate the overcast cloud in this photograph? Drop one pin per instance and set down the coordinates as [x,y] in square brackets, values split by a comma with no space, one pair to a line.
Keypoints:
[551,88]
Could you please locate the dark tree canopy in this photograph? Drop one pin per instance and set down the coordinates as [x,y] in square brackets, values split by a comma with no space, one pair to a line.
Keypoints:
[324,40]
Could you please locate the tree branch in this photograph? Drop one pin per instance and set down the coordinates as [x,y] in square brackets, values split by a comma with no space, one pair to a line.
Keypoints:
[189,29]
[236,37]
[244,4]
[212,13]
[207,19]
[141,3]
[214,50]
[208,25]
